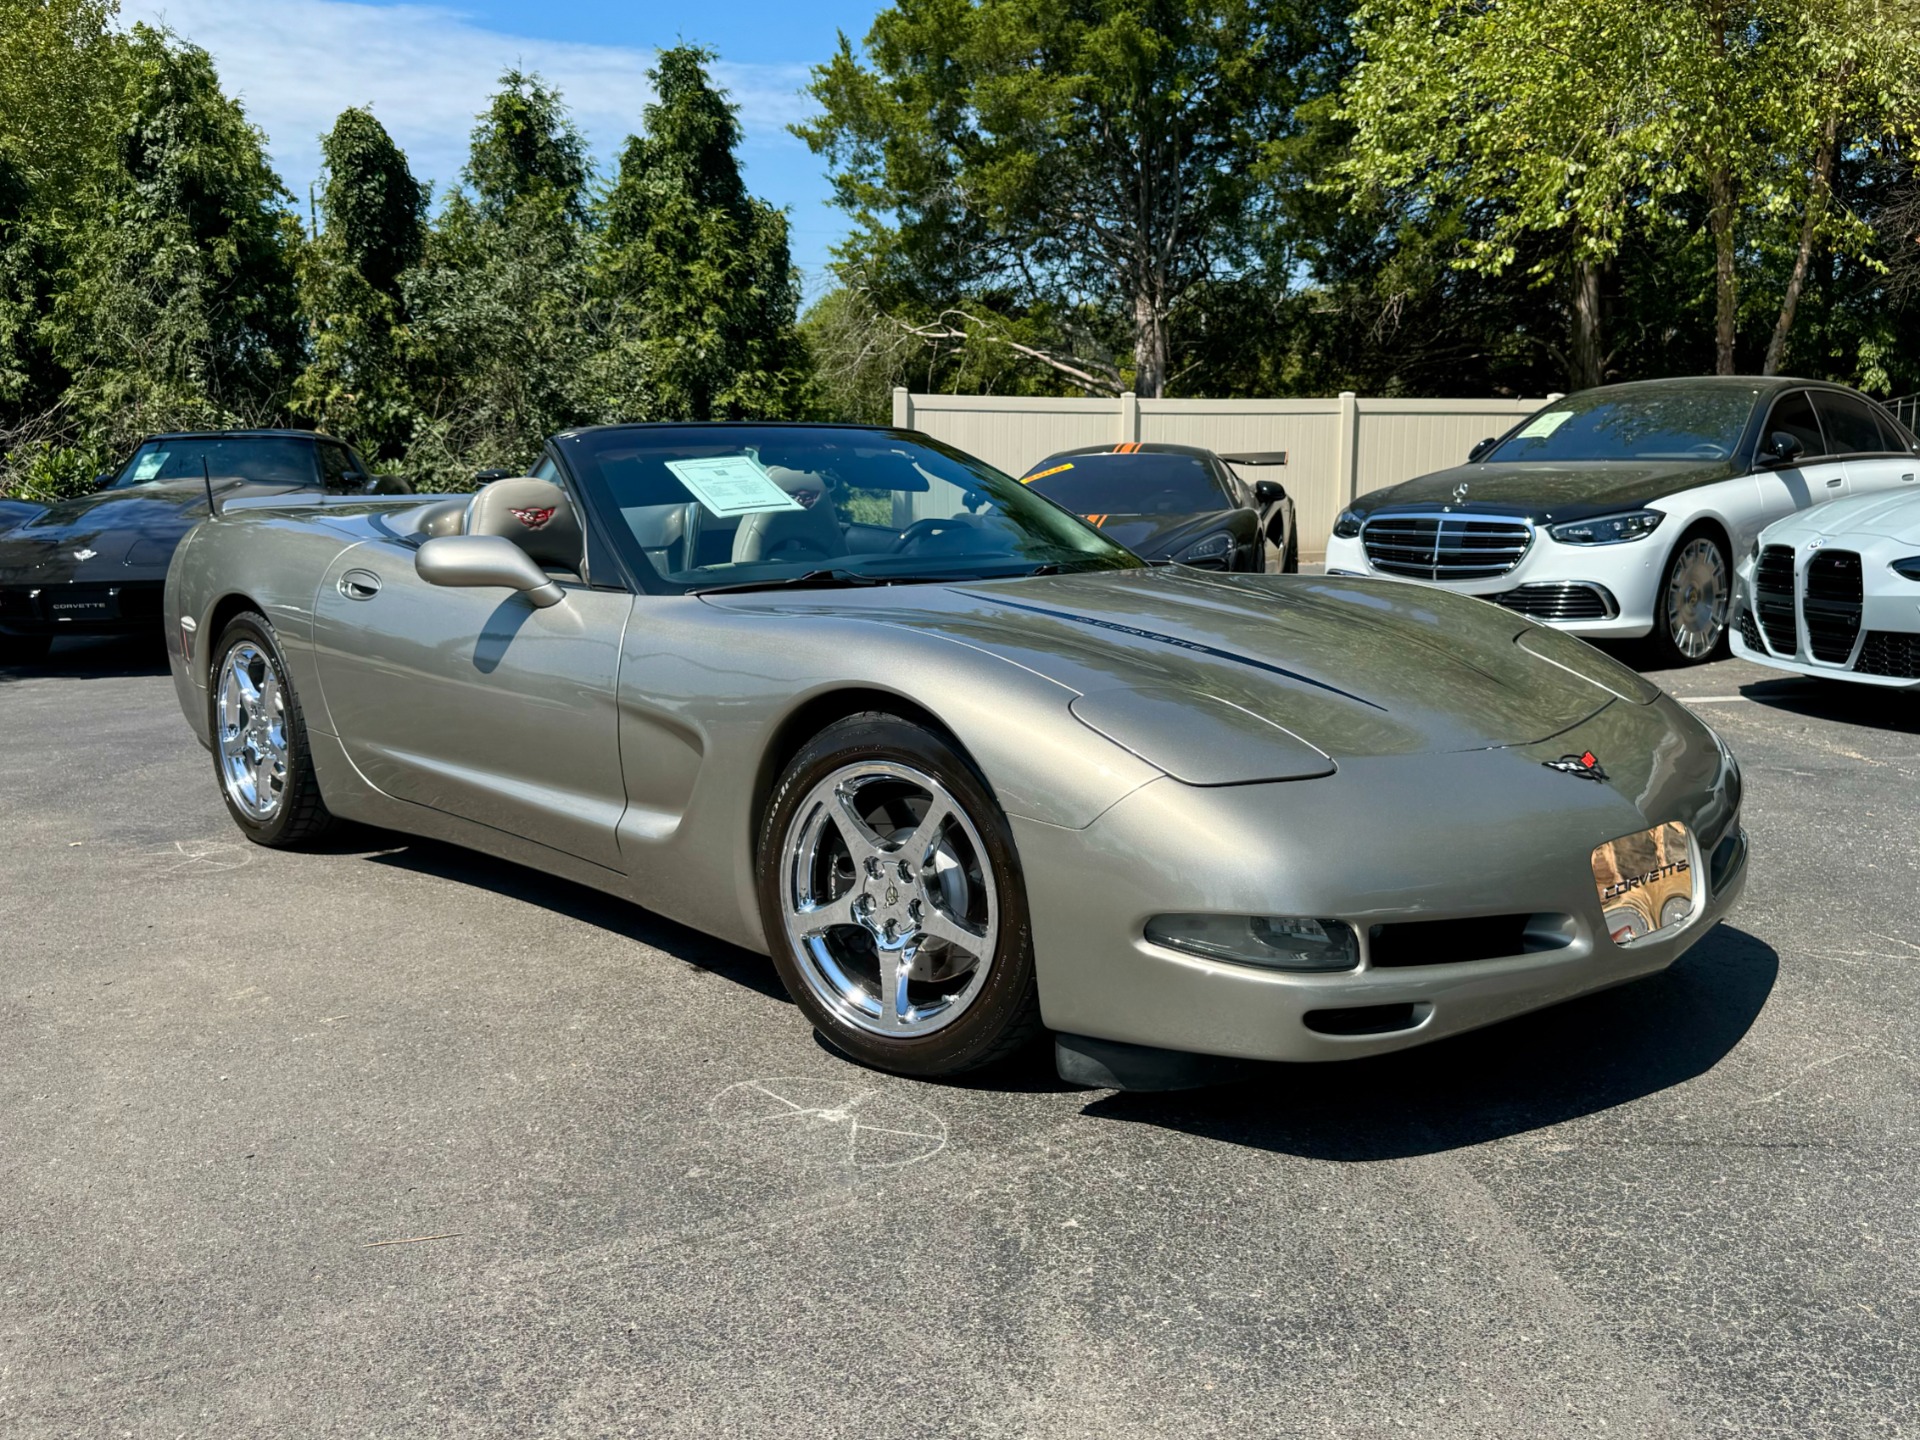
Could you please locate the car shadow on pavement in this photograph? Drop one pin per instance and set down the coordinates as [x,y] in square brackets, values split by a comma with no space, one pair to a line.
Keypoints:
[1542,1069]
[105,658]
[577,902]
[1847,703]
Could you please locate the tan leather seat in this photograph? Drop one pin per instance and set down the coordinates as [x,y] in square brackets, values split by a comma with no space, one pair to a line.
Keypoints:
[536,515]
[810,533]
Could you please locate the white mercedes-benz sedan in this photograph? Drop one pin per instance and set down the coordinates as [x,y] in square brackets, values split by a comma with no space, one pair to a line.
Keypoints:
[1619,512]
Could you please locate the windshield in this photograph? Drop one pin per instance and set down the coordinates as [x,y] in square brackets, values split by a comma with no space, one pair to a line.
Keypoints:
[264,459]
[1138,484]
[1632,423]
[707,506]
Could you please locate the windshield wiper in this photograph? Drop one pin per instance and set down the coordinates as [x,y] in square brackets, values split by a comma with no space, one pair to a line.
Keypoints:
[828,579]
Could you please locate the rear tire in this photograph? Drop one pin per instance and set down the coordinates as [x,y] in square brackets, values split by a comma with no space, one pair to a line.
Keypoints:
[903,936]
[260,757]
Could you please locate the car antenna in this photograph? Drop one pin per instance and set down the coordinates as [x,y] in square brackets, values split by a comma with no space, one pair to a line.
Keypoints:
[206,474]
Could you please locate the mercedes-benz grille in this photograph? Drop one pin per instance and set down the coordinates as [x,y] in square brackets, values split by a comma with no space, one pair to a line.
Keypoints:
[1444,547]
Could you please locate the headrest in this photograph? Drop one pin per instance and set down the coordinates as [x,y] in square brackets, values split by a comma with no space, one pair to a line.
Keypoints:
[535,514]
[805,486]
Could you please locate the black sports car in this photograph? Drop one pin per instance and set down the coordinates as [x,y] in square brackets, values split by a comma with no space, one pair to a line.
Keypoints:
[1177,502]
[94,564]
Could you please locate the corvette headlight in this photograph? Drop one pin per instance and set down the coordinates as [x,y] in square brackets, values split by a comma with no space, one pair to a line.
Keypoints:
[1907,569]
[1347,524]
[1273,942]
[1608,529]
[1209,549]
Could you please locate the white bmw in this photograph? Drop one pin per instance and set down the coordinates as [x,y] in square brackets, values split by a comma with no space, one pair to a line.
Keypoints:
[1835,592]
[1618,512]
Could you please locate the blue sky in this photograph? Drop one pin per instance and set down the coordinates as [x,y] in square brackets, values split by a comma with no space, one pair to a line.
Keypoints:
[427,69]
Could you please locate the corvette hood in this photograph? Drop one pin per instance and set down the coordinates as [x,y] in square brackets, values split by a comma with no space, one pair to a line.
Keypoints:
[1892,517]
[137,526]
[1347,667]
[1550,491]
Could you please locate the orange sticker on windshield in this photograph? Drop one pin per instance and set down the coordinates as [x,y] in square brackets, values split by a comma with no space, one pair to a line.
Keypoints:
[1042,474]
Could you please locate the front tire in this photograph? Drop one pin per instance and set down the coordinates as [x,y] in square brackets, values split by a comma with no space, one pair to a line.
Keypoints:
[893,901]
[1692,606]
[260,756]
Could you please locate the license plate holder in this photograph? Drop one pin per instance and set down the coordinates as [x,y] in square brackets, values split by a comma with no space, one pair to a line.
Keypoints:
[93,605]
[1645,882]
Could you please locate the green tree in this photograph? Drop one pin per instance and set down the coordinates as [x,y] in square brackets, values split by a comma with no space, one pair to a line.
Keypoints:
[177,300]
[374,215]
[1593,121]
[501,330]
[1090,163]
[694,271]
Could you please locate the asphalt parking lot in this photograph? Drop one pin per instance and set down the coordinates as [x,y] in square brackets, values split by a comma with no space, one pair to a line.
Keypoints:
[398,1140]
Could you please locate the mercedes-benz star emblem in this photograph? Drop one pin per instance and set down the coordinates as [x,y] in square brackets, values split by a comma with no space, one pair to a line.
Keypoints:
[1460,492]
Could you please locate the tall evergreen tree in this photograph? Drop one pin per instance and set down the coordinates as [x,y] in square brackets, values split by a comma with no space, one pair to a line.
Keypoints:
[695,272]
[500,328]
[180,309]
[375,230]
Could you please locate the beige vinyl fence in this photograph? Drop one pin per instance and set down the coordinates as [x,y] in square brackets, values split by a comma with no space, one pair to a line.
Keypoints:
[1336,448]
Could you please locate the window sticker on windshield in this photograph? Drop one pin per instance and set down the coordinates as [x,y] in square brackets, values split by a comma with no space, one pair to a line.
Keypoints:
[148,466]
[1042,474]
[732,485]
[1544,425]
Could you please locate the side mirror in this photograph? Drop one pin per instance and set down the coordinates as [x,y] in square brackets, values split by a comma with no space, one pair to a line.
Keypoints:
[487,477]
[1481,448]
[485,561]
[1269,492]
[1780,450]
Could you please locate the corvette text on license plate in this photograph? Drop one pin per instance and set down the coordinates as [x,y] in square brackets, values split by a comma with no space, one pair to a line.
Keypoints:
[1645,882]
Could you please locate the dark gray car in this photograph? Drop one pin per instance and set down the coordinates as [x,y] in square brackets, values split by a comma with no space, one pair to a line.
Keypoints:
[94,564]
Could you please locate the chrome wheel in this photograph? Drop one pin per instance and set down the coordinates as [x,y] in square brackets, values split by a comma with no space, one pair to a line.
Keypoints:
[889,899]
[250,725]
[1697,598]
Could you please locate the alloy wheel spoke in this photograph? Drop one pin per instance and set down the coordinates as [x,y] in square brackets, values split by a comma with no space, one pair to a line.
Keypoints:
[806,920]
[937,924]
[919,845]
[896,968]
[860,837]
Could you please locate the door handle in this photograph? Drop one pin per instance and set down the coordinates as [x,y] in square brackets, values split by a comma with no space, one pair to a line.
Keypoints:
[1833,482]
[359,584]
[1907,479]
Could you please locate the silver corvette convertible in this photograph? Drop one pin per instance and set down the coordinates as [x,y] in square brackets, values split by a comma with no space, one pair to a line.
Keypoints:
[964,767]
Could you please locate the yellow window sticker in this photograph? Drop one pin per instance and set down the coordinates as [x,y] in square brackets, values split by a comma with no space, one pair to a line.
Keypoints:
[1544,424]
[1042,474]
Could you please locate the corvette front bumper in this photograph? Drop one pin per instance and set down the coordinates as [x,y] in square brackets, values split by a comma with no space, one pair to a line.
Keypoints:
[1387,842]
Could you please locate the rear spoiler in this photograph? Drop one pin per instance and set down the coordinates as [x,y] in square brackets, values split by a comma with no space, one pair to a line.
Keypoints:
[1261,457]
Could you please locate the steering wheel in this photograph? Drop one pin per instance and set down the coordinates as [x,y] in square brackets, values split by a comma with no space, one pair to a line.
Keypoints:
[921,529]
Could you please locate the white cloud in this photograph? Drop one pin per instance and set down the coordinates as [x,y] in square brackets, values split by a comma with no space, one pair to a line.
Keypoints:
[426,72]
